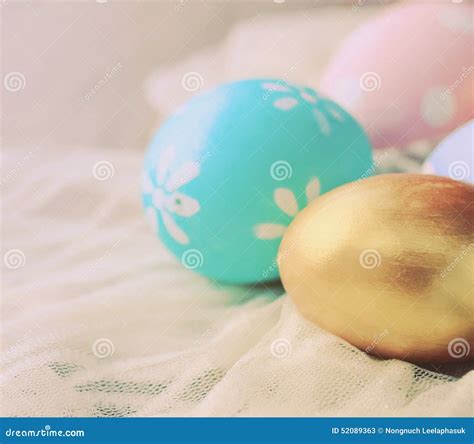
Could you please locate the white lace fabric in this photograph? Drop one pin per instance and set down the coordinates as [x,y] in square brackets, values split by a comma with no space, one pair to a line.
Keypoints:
[99,320]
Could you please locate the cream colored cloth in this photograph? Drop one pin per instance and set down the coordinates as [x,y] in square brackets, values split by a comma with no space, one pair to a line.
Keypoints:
[99,320]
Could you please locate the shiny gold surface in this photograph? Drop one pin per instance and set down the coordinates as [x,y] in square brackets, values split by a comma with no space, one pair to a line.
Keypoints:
[387,263]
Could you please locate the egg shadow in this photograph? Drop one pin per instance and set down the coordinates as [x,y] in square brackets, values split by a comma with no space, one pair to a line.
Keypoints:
[454,369]
[241,294]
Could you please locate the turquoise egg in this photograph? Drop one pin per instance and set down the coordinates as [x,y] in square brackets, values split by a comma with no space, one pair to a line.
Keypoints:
[226,174]
[453,157]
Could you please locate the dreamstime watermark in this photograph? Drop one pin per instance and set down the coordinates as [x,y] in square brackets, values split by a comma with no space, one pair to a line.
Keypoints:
[14,81]
[192,259]
[466,72]
[277,262]
[281,170]
[187,171]
[282,84]
[204,157]
[459,348]
[271,268]
[103,81]
[371,347]
[370,259]
[282,255]
[96,264]
[46,432]
[103,348]
[103,170]
[358,4]
[14,259]
[464,252]
[277,86]
[13,172]
[35,337]
[192,81]
[370,81]
[280,348]
[180,5]
[459,170]
[371,170]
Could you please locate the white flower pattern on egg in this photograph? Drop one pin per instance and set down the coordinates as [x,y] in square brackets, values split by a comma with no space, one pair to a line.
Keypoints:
[285,199]
[166,198]
[307,95]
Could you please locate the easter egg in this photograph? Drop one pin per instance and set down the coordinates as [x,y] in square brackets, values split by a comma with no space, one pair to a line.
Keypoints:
[226,174]
[387,263]
[454,156]
[407,74]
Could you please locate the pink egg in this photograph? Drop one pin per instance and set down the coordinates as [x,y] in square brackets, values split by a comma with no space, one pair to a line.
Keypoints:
[407,74]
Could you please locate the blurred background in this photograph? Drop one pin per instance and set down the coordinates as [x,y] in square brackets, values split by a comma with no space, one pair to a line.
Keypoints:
[86,66]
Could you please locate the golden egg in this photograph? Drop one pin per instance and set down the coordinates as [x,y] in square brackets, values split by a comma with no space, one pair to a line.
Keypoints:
[387,264]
